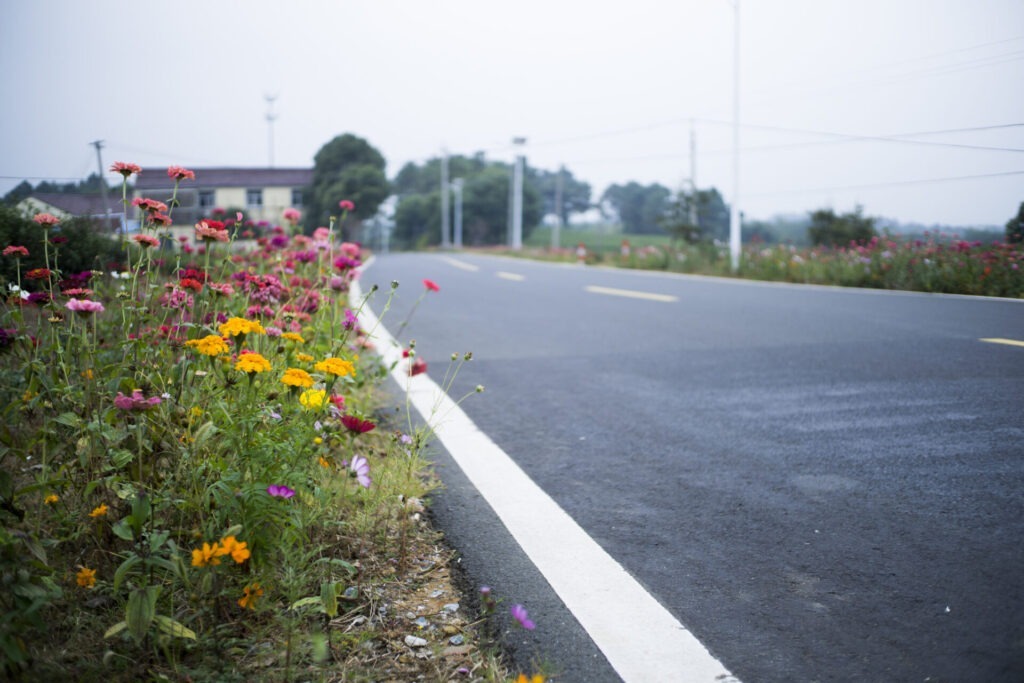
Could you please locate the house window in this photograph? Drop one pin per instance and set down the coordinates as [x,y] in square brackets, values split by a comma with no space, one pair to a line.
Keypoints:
[297,196]
[254,197]
[206,199]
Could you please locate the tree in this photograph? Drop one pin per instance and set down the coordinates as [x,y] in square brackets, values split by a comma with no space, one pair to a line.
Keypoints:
[830,229]
[347,167]
[712,216]
[640,207]
[1015,227]
[19,192]
[575,193]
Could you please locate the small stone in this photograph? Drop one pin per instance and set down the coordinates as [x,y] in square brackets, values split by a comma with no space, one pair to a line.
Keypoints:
[413,641]
[451,607]
[410,615]
[457,640]
[450,630]
[422,622]
[437,593]
[351,593]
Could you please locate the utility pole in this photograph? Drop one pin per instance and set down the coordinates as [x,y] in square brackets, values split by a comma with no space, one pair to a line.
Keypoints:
[734,214]
[457,187]
[556,238]
[445,190]
[517,199]
[271,116]
[693,175]
[98,144]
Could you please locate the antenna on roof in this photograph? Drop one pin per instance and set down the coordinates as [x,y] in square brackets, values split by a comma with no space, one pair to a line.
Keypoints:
[271,116]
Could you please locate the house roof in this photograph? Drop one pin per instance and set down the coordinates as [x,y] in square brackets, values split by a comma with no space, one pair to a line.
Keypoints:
[79,204]
[156,178]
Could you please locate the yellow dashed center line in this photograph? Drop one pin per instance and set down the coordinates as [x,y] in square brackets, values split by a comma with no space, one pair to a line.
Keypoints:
[1008,342]
[631,293]
[510,276]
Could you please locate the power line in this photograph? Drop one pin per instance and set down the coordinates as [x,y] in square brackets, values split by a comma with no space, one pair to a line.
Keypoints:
[895,183]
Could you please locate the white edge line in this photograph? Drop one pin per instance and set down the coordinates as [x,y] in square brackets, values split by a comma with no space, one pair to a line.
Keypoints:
[640,638]
[516,277]
[460,264]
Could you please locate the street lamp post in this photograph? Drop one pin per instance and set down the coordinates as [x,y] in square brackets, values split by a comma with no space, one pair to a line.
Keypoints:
[734,214]
[517,196]
[457,187]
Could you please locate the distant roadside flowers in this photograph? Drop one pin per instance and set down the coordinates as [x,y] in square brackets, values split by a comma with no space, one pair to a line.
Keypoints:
[210,345]
[335,366]
[252,363]
[84,307]
[239,326]
[136,402]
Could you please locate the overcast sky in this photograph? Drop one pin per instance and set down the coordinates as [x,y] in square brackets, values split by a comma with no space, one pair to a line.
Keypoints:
[608,89]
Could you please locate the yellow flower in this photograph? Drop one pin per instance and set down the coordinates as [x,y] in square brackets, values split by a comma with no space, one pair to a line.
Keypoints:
[292,336]
[86,577]
[210,345]
[304,357]
[99,511]
[236,326]
[238,551]
[311,399]
[252,363]
[294,377]
[325,463]
[249,595]
[88,373]
[194,413]
[207,555]
[51,499]
[335,366]
[318,441]
[536,678]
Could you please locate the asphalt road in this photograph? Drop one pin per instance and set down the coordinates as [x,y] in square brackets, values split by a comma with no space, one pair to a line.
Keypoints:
[821,484]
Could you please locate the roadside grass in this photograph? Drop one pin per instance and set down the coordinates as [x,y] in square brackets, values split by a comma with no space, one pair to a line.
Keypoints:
[937,263]
[202,480]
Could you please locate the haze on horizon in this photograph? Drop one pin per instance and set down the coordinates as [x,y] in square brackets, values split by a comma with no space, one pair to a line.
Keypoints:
[912,109]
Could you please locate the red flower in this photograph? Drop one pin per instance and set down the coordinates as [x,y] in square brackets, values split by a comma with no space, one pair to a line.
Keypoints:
[124,168]
[179,173]
[15,251]
[346,205]
[357,425]
[419,366]
[431,285]
[38,274]
[189,283]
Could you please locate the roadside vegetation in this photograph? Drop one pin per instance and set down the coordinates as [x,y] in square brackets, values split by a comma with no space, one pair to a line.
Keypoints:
[201,475]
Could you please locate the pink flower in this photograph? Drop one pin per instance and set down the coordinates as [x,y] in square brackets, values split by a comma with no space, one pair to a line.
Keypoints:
[346,205]
[135,402]
[161,218]
[125,169]
[280,491]
[292,215]
[519,614]
[84,307]
[179,173]
[431,285]
[210,234]
[46,219]
[146,240]
[151,205]
[15,251]
[361,469]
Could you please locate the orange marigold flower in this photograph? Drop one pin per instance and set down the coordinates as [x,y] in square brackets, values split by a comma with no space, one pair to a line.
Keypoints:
[336,367]
[86,578]
[303,357]
[207,555]
[536,678]
[252,363]
[238,550]
[236,326]
[99,511]
[292,336]
[296,377]
[249,595]
[51,499]
[325,463]
[210,345]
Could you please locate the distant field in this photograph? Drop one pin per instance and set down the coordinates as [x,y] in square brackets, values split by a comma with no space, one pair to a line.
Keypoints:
[593,240]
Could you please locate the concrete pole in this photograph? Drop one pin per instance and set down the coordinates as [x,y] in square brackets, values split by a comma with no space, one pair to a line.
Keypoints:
[98,144]
[457,187]
[693,175]
[517,199]
[734,214]
[556,237]
[445,209]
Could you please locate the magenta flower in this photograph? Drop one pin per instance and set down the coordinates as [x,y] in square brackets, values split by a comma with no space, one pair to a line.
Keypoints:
[84,307]
[431,285]
[357,425]
[351,321]
[361,468]
[292,215]
[519,614]
[346,205]
[135,402]
[280,491]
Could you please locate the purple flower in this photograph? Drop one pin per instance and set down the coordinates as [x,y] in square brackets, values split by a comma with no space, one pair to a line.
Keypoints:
[350,320]
[361,468]
[280,491]
[135,402]
[520,615]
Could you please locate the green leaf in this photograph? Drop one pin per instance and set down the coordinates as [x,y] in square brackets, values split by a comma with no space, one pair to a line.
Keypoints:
[347,566]
[173,628]
[123,570]
[234,530]
[157,539]
[140,611]
[122,529]
[329,598]
[119,457]
[115,629]
[307,602]
[69,419]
